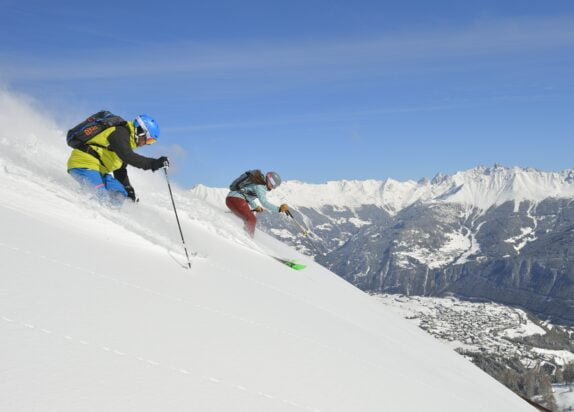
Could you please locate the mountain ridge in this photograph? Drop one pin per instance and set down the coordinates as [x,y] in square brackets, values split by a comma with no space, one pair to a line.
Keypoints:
[481,187]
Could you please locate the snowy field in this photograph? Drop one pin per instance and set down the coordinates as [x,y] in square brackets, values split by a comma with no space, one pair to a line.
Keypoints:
[483,328]
[98,313]
[476,326]
[564,395]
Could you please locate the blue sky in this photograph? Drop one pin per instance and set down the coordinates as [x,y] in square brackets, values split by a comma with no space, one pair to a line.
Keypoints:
[316,90]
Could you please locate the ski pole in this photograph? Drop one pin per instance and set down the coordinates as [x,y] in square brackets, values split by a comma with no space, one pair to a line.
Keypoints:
[176,217]
[288,213]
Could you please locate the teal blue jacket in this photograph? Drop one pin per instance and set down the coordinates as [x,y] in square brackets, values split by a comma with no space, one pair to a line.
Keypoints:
[251,192]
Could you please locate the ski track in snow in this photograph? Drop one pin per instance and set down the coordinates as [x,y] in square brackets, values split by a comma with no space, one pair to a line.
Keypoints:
[155,363]
[528,234]
[378,365]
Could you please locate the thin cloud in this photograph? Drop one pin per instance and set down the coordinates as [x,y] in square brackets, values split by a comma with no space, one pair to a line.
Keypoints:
[334,116]
[386,52]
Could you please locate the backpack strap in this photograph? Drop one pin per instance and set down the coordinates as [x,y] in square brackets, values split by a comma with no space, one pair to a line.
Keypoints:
[254,177]
[246,193]
[87,149]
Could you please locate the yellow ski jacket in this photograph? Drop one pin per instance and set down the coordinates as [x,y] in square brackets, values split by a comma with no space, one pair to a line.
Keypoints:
[110,160]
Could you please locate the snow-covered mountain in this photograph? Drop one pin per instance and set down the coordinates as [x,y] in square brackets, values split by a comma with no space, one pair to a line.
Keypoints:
[97,311]
[480,188]
[498,233]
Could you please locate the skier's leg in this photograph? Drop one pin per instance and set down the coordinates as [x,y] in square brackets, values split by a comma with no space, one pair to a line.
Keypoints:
[117,193]
[241,208]
[90,180]
[105,188]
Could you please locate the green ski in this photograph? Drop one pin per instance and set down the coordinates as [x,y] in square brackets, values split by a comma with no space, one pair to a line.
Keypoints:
[291,263]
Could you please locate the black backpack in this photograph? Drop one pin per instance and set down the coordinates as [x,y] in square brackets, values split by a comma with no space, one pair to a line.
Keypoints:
[250,176]
[96,123]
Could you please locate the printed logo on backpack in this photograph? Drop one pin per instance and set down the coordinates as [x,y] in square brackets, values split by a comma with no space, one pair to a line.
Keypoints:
[93,125]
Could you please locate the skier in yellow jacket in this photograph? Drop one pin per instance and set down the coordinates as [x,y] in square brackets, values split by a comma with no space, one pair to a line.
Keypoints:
[110,151]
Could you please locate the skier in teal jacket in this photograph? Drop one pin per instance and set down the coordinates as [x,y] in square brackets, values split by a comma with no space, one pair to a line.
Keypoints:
[243,201]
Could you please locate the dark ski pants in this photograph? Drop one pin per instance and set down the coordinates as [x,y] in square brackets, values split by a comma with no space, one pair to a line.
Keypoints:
[241,208]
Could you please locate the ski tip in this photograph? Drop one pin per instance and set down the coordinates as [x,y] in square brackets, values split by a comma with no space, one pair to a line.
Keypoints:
[290,263]
[297,266]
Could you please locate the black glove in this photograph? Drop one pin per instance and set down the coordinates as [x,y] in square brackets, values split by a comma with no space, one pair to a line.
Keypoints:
[158,163]
[131,193]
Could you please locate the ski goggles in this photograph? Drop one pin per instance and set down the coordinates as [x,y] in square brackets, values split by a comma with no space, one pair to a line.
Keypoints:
[271,182]
[148,137]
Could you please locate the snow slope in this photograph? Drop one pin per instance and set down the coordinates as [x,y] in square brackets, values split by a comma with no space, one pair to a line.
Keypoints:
[97,312]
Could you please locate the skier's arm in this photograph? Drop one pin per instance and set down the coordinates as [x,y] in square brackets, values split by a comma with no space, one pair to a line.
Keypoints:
[260,191]
[252,203]
[120,143]
[122,175]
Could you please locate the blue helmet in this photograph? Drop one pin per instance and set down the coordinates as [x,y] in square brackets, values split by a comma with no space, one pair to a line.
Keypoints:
[148,125]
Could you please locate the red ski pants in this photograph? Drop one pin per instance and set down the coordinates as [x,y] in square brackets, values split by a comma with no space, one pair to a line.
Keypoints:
[241,208]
